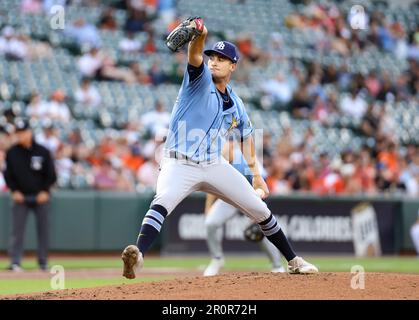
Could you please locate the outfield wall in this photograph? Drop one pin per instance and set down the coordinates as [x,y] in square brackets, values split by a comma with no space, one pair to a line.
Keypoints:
[104,221]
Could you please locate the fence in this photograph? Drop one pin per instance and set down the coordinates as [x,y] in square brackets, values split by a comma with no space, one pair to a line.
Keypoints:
[105,221]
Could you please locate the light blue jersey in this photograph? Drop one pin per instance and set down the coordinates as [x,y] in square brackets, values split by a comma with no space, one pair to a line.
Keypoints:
[240,164]
[199,126]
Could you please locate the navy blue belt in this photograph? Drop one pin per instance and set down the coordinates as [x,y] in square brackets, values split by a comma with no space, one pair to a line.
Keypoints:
[180,156]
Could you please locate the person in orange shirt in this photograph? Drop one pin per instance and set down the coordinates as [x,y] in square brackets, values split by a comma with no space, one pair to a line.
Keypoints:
[388,157]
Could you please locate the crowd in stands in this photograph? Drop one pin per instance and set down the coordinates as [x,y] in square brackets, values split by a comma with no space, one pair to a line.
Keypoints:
[128,160]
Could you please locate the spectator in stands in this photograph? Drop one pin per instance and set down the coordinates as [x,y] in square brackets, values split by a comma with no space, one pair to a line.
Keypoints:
[87,94]
[387,125]
[324,108]
[248,50]
[372,83]
[408,180]
[344,77]
[178,68]
[48,4]
[31,6]
[276,47]
[147,174]
[124,180]
[330,75]
[386,39]
[37,107]
[149,46]
[402,88]
[91,63]
[387,92]
[301,104]
[49,138]
[156,74]
[64,165]
[353,105]
[276,180]
[106,177]
[107,20]
[157,120]
[141,77]
[136,21]
[129,44]
[278,92]
[173,23]
[56,109]
[333,183]
[12,46]
[370,122]
[167,11]
[83,33]
[149,6]
[97,65]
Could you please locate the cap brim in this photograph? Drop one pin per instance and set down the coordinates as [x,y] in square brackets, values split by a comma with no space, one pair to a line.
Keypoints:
[211,51]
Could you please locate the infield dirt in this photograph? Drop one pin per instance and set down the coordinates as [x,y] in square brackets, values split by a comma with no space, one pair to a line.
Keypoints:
[251,286]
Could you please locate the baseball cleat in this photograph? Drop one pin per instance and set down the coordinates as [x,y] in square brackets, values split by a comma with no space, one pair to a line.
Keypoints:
[299,265]
[15,268]
[214,267]
[133,260]
[278,270]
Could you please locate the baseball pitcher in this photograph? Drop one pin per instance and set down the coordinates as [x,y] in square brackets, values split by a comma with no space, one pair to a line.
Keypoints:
[206,112]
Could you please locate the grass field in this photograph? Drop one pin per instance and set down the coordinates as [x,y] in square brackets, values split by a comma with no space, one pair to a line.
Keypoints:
[24,283]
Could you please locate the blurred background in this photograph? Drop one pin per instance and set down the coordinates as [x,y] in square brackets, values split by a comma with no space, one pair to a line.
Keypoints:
[337,99]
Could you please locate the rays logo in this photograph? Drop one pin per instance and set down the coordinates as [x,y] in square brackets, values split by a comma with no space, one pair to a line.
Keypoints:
[234,124]
[220,45]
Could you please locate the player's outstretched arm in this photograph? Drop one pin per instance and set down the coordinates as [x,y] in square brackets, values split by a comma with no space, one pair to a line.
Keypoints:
[196,47]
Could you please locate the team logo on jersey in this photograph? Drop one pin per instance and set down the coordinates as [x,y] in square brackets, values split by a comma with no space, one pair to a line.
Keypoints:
[234,124]
[36,163]
[220,45]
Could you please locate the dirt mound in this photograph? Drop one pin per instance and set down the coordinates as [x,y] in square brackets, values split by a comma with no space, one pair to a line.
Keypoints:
[252,286]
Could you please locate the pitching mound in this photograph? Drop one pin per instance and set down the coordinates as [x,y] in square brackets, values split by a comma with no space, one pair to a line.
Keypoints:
[252,286]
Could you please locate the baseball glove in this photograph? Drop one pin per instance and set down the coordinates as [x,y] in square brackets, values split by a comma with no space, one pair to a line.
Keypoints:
[253,233]
[187,31]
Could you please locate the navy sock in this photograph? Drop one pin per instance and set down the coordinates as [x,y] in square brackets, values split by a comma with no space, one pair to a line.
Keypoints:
[273,232]
[151,227]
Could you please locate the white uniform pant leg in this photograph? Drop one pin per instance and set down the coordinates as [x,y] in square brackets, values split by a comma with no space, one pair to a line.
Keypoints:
[176,181]
[219,213]
[224,181]
[414,233]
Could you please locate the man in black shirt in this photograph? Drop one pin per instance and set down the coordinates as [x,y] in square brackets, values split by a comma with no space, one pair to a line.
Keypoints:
[29,175]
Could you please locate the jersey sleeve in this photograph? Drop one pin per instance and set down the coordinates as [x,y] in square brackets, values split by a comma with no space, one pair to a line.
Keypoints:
[195,72]
[196,78]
